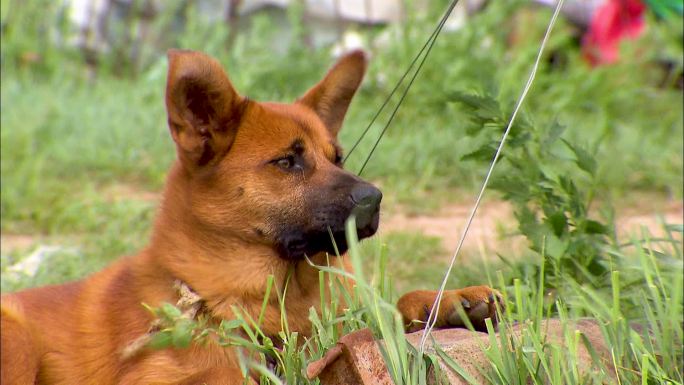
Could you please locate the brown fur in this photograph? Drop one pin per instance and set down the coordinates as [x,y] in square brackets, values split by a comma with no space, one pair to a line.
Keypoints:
[226,204]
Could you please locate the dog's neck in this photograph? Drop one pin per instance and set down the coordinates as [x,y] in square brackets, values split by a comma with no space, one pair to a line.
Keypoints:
[230,282]
[215,265]
[225,278]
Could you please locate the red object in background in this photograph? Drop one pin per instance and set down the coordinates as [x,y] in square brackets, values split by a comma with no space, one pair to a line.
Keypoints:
[613,21]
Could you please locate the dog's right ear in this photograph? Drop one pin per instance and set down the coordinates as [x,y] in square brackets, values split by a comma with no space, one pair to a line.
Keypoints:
[330,98]
[203,108]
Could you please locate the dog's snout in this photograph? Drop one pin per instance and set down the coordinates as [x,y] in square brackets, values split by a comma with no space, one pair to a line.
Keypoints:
[366,196]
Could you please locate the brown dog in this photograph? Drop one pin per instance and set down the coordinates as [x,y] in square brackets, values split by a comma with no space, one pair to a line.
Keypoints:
[256,186]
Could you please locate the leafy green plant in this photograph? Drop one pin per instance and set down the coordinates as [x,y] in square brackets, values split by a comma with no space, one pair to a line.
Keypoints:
[538,174]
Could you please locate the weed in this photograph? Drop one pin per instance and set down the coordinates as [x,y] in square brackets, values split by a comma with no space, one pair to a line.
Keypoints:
[641,324]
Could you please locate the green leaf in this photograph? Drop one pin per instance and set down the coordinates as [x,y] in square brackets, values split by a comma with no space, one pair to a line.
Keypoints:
[493,130]
[182,333]
[558,223]
[594,227]
[169,311]
[554,246]
[518,137]
[160,340]
[596,268]
[514,189]
[553,134]
[568,185]
[483,106]
[230,325]
[267,343]
[484,153]
[549,172]
[584,159]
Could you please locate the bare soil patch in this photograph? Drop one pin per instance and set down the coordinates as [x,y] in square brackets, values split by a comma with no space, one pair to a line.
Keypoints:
[12,242]
[121,191]
[494,227]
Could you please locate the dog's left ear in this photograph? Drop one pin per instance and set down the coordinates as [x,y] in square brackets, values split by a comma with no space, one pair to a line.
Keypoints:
[330,98]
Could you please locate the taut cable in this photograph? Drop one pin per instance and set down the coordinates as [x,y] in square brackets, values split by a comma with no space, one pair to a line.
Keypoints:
[428,45]
[432,318]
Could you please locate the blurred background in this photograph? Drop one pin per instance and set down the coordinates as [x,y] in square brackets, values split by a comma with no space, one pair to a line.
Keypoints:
[596,155]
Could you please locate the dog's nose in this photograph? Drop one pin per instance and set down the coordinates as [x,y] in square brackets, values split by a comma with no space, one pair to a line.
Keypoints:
[366,200]
[366,195]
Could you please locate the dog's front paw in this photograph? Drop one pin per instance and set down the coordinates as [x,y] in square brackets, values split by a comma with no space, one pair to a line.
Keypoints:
[476,302]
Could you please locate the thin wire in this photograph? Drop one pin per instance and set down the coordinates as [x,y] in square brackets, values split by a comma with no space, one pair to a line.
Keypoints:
[435,306]
[401,80]
[408,87]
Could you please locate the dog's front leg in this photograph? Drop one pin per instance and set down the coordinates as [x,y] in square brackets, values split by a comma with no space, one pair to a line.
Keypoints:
[478,303]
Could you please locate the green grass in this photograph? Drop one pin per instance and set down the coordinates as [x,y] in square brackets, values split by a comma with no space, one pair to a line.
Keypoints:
[415,261]
[70,144]
[639,313]
[60,130]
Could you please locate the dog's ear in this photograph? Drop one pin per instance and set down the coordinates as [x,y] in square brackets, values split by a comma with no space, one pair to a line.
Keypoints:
[203,108]
[330,98]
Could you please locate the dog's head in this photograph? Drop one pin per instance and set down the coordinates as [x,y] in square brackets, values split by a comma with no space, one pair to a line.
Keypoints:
[267,173]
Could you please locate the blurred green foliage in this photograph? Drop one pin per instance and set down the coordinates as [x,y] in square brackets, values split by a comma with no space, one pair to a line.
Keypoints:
[74,129]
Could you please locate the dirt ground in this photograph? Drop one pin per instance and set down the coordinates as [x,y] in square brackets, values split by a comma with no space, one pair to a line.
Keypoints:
[494,226]
[12,242]
[492,230]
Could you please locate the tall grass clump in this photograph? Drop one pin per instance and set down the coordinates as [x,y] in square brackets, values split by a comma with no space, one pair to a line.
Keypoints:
[639,313]
[350,301]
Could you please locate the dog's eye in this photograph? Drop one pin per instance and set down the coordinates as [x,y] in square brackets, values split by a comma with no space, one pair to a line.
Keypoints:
[338,159]
[285,163]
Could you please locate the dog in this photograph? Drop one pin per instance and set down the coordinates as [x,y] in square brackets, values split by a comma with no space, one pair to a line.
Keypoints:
[255,188]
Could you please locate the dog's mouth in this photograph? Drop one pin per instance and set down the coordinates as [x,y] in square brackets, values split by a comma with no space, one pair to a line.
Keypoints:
[296,244]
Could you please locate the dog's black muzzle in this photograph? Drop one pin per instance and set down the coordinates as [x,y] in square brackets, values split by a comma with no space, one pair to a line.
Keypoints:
[325,230]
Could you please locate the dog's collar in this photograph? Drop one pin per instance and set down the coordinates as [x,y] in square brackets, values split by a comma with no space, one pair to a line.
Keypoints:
[189,303]
[188,300]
